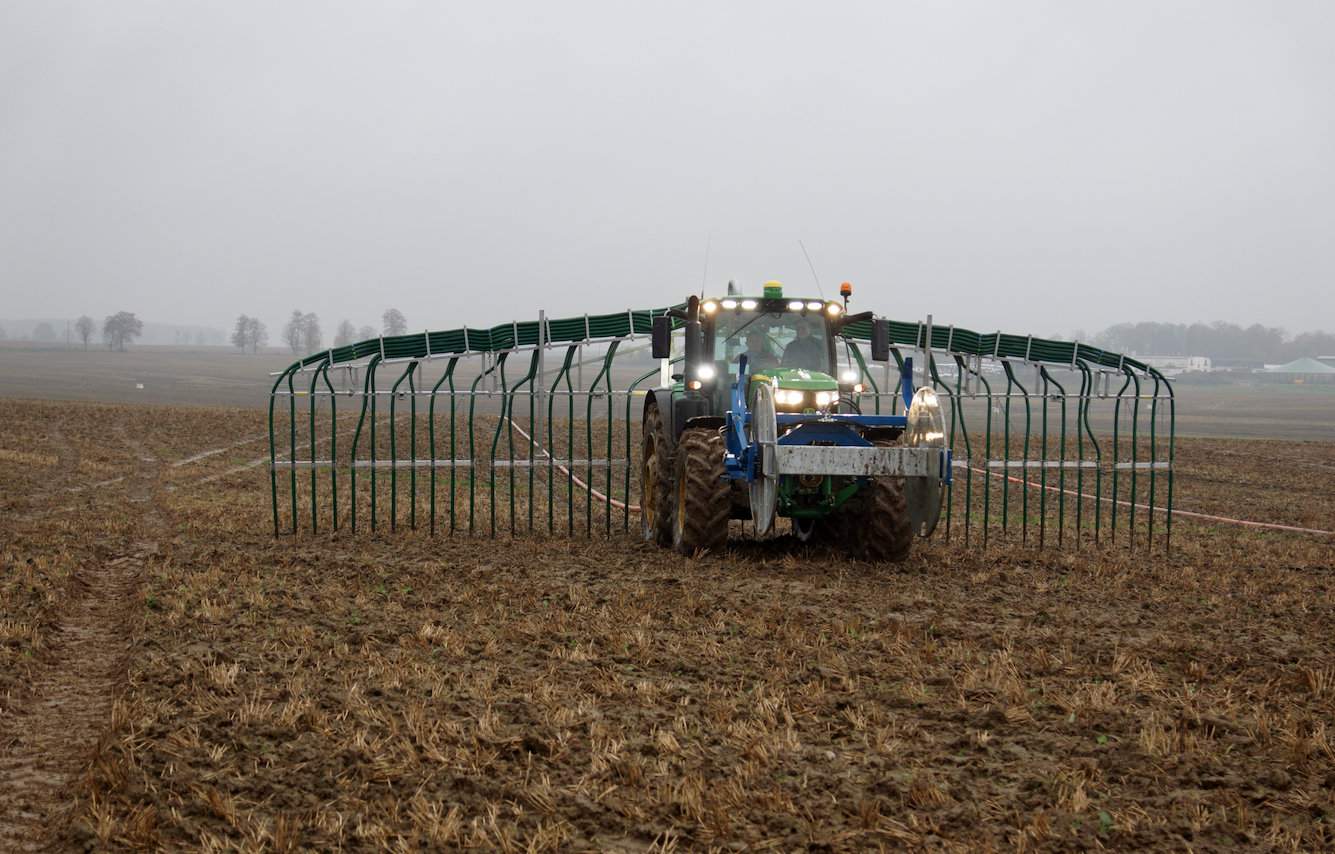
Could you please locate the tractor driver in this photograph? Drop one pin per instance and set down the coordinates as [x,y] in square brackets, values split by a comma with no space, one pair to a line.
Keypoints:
[759,356]
[805,351]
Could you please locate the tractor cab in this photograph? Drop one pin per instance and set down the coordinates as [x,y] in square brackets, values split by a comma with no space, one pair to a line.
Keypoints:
[788,343]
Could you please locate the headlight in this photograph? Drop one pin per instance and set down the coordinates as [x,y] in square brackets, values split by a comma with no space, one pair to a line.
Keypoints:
[788,397]
[814,305]
[795,305]
[705,372]
[729,304]
[710,307]
[825,398]
[850,375]
[834,309]
[749,305]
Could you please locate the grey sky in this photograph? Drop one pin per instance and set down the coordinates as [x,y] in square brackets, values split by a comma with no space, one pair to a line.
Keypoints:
[1030,166]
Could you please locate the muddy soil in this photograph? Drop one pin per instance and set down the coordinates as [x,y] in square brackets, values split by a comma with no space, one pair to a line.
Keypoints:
[332,691]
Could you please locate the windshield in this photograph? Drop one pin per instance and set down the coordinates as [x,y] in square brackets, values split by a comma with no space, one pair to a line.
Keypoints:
[772,340]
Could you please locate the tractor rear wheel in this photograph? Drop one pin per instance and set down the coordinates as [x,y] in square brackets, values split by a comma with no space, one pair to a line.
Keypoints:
[703,503]
[655,480]
[883,530]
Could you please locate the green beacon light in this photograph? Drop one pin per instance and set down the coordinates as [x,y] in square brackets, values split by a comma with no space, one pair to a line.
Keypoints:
[773,290]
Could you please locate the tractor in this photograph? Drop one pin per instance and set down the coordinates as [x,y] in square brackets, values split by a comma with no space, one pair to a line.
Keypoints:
[761,422]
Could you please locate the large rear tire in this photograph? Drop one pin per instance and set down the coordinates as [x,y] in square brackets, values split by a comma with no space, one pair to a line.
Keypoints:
[701,510]
[655,480]
[883,530]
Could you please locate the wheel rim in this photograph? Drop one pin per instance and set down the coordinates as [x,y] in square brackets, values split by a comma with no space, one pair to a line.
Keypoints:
[648,487]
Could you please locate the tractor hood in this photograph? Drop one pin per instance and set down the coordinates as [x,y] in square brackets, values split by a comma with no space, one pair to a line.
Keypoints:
[798,378]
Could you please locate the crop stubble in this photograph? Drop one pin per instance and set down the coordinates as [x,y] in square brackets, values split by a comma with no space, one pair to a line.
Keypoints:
[413,691]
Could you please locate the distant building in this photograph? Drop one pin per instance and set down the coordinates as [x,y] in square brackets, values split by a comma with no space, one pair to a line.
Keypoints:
[1299,371]
[1174,365]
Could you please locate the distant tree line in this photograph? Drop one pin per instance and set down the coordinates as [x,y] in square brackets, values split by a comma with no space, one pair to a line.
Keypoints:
[1222,342]
[302,332]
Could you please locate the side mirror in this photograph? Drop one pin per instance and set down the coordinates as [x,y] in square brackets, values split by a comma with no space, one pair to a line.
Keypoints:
[880,340]
[662,337]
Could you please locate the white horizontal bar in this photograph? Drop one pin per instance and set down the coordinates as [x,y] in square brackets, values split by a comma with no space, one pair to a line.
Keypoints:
[1041,464]
[445,464]
[857,462]
[1156,466]
[639,392]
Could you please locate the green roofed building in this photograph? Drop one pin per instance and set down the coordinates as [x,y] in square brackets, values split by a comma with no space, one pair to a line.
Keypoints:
[1304,370]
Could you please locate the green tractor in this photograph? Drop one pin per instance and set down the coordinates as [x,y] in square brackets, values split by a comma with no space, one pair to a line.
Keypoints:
[763,423]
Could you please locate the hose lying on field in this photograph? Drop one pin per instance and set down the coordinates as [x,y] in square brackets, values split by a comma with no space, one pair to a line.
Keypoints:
[620,505]
[1274,526]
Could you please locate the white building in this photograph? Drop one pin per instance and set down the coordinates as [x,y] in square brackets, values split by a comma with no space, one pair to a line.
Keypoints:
[1173,365]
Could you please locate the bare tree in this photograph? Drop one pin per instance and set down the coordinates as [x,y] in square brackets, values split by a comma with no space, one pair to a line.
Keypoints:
[249,334]
[393,322]
[120,329]
[3,335]
[294,331]
[241,333]
[85,327]
[311,336]
[366,333]
[43,332]
[346,334]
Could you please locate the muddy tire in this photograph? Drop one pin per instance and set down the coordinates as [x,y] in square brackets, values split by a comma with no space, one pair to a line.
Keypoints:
[655,480]
[702,503]
[882,530]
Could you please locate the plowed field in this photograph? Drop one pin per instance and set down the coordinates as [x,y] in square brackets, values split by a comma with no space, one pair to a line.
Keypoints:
[171,676]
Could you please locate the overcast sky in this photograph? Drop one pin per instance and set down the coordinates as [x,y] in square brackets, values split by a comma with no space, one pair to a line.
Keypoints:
[1038,167]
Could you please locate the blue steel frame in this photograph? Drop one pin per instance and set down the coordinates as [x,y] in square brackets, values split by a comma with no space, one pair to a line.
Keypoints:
[742,461]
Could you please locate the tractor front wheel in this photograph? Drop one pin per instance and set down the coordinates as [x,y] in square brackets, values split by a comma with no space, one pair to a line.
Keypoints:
[655,480]
[703,504]
[883,530]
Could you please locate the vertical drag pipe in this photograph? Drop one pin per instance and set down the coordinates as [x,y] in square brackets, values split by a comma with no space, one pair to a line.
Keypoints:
[968,447]
[394,449]
[588,434]
[367,386]
[1116,470]
[1061,459]
[562,375]
[333,444]
[285,376]
[315,376]
[448,376]
[491,458]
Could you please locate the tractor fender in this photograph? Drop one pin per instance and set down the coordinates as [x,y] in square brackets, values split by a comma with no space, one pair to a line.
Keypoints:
[678,410]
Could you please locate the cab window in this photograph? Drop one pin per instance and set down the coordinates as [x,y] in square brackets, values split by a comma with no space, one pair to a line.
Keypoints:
[774,340]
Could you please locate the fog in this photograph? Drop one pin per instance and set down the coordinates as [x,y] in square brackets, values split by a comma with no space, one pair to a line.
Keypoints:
[1036,167]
